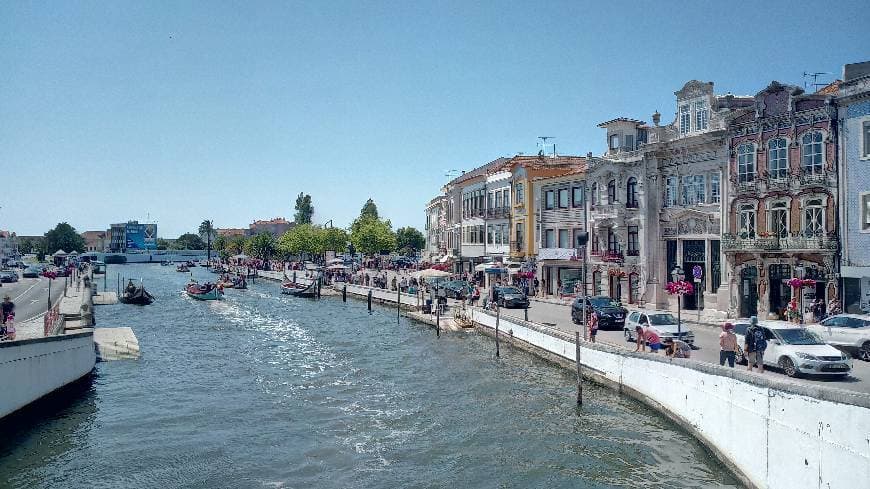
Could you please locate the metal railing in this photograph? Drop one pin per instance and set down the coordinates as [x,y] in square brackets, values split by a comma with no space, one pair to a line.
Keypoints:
[53,321]
[797,241]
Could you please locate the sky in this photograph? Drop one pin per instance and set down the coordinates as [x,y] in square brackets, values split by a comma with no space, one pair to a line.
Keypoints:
[175,112]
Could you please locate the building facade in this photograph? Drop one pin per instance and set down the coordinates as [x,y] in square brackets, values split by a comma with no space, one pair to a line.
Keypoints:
[497,219]
[275,227]
[8,246]
[132,236]
[435,229]
[97,241]
[854,139]
[781,191]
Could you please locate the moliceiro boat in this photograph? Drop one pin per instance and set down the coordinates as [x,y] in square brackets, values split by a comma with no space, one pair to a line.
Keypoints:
[136,295]
[204,292]
[299,290]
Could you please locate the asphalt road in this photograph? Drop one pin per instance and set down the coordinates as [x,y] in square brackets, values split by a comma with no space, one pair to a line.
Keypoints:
[30,296]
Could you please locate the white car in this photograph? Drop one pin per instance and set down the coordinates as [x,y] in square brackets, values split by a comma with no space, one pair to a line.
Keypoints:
[663,322]
[795,349]
[850,332]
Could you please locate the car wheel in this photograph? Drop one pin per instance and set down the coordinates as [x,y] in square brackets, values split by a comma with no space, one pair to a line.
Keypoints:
[864,352]
[788,367]
[574,319]
[627,335]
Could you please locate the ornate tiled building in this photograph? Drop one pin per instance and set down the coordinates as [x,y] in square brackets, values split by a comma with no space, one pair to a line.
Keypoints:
[781,200]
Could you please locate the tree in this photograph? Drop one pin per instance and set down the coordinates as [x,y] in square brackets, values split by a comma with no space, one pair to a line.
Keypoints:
[220,245]
[236,245]
[26,245]
[303,239]
[369,212]
[373,236]
[261,246]
[304,209]
[189,241]
[206,232]
[162,244]
[63,237]
[334,239]
[409,239]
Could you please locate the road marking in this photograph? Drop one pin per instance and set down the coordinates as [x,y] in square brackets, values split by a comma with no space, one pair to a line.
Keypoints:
[26,291]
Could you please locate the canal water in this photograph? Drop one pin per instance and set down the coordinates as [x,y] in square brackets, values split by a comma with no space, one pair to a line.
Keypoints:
[265,390]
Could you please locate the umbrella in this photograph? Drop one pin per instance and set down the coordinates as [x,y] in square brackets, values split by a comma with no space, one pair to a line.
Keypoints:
[337,266]
[59,253]
[240,256]
[430,273]
[334,261]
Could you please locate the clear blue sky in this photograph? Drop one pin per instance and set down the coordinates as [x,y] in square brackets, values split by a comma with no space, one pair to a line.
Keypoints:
[191,110]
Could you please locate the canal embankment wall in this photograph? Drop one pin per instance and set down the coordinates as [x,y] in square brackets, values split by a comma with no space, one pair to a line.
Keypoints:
[35,367]
[771,433]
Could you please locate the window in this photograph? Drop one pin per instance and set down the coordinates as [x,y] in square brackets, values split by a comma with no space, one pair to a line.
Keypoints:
[549,238]
[614,141]
[549,200]
[865,211]
[631,192]
[577,233]
[480,233]
[611,191]
[505,234]
[519,197]
[811,153]
[489,201]
[629,142]
[497,237]
[497,199]
[715,195]
[777,158]
[593,239]
[594,194]
[814,218]
[700,116]
[612,242]
[576,196]
[506,200]
[685,119]
[596,283]
[745,163]
[693,189]
[563,198]
[489,234]
[633,241]
[564,238]
[670,192]
[747,221]
[865,135]
[779,219]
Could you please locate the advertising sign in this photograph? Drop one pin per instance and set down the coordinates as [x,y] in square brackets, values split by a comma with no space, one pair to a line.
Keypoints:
[135,237]
[150,235]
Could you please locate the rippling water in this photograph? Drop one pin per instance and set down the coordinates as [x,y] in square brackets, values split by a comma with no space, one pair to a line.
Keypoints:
[265,390]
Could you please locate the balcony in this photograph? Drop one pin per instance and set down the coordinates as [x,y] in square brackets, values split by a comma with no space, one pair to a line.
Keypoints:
[605,211]
[795,242]
[557,254]
[632,205]
[498,212]
[607,256]
[814,179]
[777,183]
[518,246]
[745,187]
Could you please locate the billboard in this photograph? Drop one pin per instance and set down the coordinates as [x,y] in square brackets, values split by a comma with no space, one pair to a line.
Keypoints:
[141,236]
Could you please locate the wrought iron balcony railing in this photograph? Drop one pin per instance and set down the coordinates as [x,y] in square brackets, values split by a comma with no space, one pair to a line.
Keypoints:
[797,241]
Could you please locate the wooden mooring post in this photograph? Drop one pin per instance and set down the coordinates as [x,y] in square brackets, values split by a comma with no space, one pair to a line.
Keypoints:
[370,301]
[438,320]
[497,317]
[344,293]
[398,303]
[579,372]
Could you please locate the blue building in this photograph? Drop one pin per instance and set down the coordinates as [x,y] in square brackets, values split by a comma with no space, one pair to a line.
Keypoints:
[854,117]
[132,236]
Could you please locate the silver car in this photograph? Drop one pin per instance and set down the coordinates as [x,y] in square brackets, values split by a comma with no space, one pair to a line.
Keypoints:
[663,322]
[850,332]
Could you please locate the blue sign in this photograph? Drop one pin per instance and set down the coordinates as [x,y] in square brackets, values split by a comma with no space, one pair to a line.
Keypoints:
[141,236]
[696,271]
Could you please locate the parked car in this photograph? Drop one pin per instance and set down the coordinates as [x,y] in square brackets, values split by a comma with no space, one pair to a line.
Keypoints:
[61,272]
[662,322]
[32,272]
[795,349]
[458,289]
[849,332]
[611,315]
[510,297]
[8,276]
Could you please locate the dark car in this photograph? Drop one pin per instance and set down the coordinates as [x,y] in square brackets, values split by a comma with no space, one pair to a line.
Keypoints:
[458,289]
[610,314]
[511,297]
[31,272]
[8,276]
[61,272]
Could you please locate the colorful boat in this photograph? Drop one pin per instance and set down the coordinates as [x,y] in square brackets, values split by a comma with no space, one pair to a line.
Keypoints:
[204,292]
[299,290]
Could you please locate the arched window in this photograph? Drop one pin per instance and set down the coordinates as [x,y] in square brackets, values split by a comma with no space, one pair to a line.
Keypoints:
[777,158]
[779,219]
[596,283]
[611,191]
[811,153]
[746,163]
[814,217]
[594,194]
[631,193]
[747,221]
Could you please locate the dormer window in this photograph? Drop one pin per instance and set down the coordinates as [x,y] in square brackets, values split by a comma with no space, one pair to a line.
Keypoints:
[685,119]
[614,141]
[700,116]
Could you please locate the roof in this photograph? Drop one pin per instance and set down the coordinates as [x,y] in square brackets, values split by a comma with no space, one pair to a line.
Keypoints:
[831,88]
[539,162]
[478,172]
[621,119]
[277,220]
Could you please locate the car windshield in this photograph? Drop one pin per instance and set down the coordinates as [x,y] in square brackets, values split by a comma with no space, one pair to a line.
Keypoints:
[665,318]
[510,290]
[603,302]
[798,336]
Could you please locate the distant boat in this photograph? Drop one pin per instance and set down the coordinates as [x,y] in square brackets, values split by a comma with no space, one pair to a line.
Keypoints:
[136,295]
[207,292]
[182,268]
[299,290]
[98,267]
[115,258]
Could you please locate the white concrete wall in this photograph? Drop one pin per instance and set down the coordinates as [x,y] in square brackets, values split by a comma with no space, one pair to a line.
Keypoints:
[409,300]
[773,434]
[35,367]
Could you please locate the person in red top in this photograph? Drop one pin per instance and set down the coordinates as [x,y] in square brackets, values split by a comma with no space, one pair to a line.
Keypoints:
[593,326]
[652,339]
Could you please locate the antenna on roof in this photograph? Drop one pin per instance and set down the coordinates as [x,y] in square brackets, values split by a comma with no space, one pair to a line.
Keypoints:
[815,76]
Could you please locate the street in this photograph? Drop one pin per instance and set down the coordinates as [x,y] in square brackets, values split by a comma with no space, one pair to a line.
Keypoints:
[30,296]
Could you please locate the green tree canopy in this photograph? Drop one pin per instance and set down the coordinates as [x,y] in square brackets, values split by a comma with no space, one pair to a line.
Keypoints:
[369,210]
[236,245]
[220,245]
[63,237]
[261,246]
[304,209]
[162,244]
[334,239]
[206,232]
[409,239]
[189,241]
[373,236]
[303,239]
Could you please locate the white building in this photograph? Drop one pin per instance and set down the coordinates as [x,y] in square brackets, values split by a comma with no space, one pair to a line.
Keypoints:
[498,213]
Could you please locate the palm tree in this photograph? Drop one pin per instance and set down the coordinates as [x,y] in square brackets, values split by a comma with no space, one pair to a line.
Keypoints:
[206,230]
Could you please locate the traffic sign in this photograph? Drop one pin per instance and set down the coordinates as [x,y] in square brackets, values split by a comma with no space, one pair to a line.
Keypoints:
[697,272]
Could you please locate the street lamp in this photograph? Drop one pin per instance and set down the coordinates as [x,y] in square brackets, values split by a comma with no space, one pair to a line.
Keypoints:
[800,271]
[678,275]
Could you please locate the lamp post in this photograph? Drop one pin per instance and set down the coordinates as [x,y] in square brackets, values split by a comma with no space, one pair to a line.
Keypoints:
[678,275]
[800,271]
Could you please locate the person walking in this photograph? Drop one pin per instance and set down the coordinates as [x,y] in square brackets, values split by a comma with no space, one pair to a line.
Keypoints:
[727,345]
[593,326]
[754,345]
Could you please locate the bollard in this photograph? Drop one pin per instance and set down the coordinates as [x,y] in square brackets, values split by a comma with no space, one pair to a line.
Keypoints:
[579,373]
[497,316]
[65,283]
[526,311]
[370,301]
[438,321]
[398,304]
[119,285]
[344,293]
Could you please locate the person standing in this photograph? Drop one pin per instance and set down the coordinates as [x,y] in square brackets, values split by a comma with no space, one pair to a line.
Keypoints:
[754,345]
[727,345]
[593,326]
